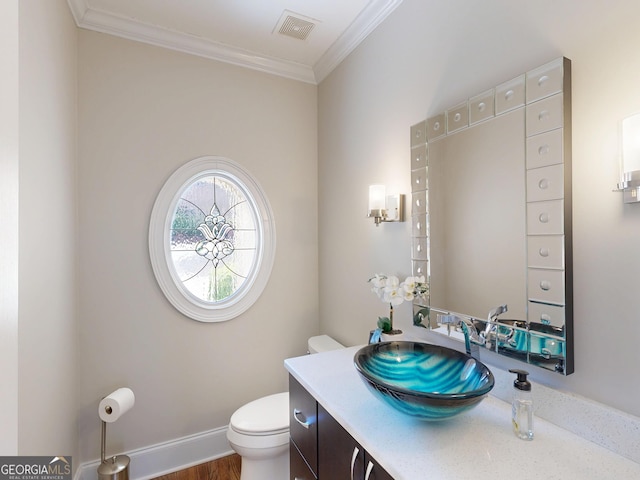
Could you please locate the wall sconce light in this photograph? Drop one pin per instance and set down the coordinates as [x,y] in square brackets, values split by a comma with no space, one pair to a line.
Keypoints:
[383,207]
[630,162]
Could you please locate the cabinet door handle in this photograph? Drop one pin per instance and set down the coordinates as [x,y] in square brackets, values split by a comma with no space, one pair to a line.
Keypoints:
[369,469]
[356,451]
[297,412]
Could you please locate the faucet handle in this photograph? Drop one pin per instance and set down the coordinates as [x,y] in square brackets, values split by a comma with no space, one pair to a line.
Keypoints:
[468,329]
[499,310]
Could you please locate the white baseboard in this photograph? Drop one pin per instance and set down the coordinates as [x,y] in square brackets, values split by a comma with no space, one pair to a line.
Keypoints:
[168,457]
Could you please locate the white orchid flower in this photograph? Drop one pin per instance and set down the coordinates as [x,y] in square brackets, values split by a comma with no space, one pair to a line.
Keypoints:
[392,281]
[378,282]
[389,289]
[393,295]
[410,288]
[407,295]
[410,283]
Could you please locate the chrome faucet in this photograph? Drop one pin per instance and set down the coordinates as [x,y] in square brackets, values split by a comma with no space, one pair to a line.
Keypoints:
[471,337]
[492,318]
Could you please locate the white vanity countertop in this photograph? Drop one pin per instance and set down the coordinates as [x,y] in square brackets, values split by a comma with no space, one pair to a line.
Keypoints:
[479,444]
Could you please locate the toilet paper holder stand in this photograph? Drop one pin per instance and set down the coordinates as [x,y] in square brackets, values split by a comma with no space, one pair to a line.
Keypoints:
[113,468]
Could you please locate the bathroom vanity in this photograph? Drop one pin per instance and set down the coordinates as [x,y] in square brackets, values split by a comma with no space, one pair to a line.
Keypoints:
[321,447]
[336,423]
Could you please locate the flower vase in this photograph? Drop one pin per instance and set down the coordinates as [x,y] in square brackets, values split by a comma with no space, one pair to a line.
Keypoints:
[392,336]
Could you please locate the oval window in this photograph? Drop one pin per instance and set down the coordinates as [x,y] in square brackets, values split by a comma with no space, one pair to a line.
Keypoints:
[211,239]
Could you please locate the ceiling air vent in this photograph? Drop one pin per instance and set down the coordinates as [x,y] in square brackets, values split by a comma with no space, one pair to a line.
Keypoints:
[295,25]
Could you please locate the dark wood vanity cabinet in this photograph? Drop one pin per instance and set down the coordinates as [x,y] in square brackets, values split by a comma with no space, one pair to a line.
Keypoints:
[303,428]
[298,468]
[321,449]
[340,457]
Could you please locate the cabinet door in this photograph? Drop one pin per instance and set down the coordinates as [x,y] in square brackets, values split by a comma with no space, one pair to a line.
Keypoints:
[298,468]
[340,457]
[373,471]
[303,424]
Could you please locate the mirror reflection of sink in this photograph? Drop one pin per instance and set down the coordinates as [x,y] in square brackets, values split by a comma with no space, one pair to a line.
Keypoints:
[541,344]
[429,382]
[516,340]
[545,339]
[547,347]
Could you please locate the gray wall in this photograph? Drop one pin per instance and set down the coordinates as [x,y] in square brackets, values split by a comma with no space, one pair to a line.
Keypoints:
[47,342]
[9,246]
[143,112]
[428,56]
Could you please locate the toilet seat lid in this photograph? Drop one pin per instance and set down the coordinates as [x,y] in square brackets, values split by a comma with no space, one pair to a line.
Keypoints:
[264,416]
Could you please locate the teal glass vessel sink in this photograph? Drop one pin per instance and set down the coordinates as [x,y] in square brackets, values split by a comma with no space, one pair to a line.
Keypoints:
[429,382]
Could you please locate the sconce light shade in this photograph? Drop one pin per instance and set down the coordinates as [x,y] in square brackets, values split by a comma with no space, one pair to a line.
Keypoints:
[377,194]
[630,161]
[383,207]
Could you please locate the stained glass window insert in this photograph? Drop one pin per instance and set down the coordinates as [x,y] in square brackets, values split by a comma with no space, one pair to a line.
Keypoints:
[214,238]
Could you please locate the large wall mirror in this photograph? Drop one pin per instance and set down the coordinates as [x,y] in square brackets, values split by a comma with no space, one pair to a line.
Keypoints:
[491,213]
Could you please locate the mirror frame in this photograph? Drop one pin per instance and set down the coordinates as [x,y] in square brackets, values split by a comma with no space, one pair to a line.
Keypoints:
[545,95]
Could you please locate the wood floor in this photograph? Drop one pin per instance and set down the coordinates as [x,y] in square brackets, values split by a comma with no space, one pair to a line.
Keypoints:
[225,468]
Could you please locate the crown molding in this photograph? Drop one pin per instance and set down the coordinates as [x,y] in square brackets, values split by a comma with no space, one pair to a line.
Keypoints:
[104,22]
[372,16]
[78,9]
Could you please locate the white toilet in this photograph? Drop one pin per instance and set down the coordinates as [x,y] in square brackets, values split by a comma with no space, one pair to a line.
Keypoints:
[259,430]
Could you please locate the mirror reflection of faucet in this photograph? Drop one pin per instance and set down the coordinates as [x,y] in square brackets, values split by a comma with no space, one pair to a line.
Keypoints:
[471,337]
[536,343]
[492,319]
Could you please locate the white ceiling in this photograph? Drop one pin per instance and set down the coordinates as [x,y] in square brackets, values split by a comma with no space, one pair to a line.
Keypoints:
[243,32]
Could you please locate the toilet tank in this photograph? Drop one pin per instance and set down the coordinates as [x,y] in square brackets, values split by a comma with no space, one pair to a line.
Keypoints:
[322,343]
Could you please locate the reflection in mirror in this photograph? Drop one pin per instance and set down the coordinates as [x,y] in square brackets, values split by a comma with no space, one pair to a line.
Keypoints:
[478,261]
[491,215]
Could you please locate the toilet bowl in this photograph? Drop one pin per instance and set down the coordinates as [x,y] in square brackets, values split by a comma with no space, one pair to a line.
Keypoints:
[259,433]
[259,430]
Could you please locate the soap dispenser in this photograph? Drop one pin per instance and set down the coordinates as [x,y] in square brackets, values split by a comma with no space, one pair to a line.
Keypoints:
[522,406]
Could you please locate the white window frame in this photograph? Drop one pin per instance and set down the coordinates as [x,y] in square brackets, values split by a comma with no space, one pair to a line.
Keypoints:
[159,245]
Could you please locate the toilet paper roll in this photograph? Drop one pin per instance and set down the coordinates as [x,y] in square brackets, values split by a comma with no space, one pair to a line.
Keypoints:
[116,404]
